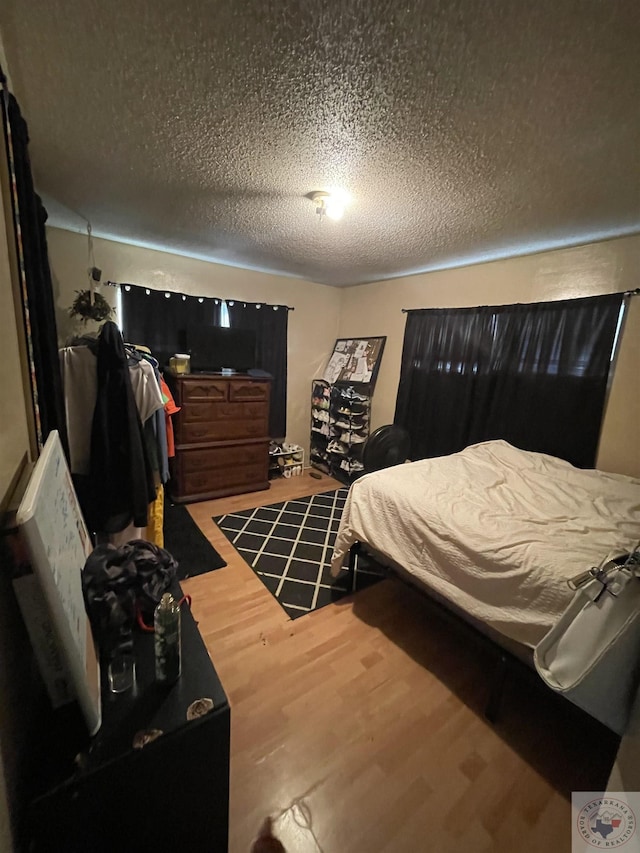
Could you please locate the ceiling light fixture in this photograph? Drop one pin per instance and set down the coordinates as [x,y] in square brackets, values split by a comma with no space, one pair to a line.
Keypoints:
[331,204]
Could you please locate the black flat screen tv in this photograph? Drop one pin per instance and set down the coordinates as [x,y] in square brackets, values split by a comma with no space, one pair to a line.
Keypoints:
[214,348]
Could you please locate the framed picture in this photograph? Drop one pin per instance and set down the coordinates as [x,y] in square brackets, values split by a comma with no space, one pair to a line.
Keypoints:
[355,360]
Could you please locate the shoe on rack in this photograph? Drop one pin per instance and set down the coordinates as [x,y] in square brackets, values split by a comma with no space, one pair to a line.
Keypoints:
[336,447]
[352,411]
[350,394]
[351,466]
[343,424]
[352,438]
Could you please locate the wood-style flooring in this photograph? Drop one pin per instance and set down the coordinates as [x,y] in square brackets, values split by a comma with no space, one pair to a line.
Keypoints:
[360,726]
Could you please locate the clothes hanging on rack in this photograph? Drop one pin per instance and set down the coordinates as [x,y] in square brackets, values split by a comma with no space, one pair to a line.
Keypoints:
[170,409]
[80,387]
[111,469]
[154,404]
[120,472]
[145,378]
[146,389]
[155,524]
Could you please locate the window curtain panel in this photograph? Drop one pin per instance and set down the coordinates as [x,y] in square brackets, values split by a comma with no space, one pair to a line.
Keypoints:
[532,374]
[159,319]
[38,305]
[270,323]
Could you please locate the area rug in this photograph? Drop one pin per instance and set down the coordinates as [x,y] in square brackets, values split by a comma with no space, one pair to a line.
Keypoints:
[188,545]
[289,547]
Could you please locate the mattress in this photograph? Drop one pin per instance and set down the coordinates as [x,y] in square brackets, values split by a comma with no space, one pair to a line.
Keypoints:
[495,530]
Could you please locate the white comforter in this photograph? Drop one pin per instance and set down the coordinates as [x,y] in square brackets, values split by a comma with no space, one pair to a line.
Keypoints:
[494,529]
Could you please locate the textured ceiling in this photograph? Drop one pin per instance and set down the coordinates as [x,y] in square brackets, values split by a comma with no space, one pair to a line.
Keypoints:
[462,129]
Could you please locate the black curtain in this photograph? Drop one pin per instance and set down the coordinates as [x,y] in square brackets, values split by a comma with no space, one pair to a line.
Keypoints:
[270,323]
[534,375]
[159,319]
[38,307]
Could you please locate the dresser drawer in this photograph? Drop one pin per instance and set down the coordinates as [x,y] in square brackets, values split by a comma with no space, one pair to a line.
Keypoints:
[211,471]
[203,389]
[203,421]
[192,433]
[194,459]
[244,477]
[244,392]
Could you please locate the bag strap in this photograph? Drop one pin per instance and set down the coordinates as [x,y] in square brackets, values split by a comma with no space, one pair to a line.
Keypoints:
[606,574]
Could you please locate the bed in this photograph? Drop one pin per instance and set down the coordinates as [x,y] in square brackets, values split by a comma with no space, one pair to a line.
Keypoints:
[494,532]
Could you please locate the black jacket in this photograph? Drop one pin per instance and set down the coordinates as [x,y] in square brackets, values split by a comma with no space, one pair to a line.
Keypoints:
[121,478]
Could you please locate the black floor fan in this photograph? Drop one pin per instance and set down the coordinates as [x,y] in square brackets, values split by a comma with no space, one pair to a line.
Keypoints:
[387,446]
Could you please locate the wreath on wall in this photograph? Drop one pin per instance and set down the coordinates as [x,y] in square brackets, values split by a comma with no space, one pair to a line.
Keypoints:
[89,305]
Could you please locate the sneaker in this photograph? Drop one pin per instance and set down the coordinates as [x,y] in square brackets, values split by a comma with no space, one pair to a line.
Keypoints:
[322,430]
[336,447]
[350,394]
[352,411]
[351,465]
[352,438]
[350,426]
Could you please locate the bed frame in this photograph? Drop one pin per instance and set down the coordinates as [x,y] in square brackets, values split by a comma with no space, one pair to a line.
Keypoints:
[510,653]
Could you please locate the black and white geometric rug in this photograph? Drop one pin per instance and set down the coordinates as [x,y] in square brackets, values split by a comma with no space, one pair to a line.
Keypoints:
[289,547]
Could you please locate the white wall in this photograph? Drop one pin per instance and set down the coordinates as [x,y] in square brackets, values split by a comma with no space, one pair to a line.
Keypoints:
[606,267]
[313,326]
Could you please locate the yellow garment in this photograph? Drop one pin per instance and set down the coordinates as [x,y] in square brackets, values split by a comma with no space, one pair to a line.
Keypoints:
[155,513]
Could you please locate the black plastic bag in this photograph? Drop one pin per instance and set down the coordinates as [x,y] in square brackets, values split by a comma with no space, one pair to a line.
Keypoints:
[119,582]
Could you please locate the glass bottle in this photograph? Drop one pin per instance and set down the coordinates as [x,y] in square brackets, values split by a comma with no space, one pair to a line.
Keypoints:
[167,640]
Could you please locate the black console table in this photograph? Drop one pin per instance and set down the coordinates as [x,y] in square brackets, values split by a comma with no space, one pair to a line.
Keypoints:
[173,794]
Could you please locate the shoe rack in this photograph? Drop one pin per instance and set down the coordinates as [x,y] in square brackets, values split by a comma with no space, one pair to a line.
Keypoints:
[285,460]
[340,418]
[320,428]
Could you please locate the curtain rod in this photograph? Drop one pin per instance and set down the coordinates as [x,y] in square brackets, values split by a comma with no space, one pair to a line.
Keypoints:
[635,292]
[161,290]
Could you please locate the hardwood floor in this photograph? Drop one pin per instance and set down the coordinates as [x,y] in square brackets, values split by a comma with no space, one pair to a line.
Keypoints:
[360,726]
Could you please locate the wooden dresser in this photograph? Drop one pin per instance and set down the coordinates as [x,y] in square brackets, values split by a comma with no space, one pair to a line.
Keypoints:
[221,436]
